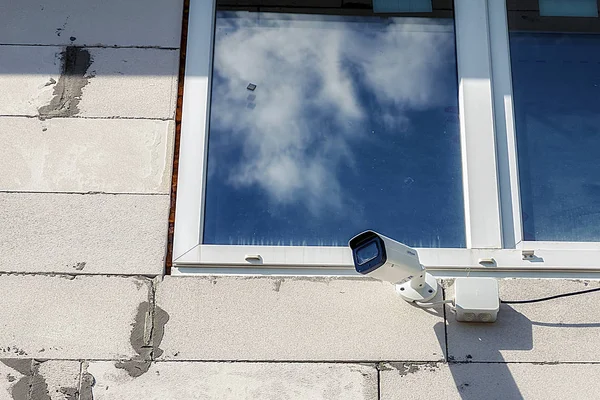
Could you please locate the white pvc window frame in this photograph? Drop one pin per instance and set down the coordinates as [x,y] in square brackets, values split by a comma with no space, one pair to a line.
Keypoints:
[494,243]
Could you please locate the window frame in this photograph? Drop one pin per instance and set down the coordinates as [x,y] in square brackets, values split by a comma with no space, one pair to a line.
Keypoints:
[494,243]
[505,123]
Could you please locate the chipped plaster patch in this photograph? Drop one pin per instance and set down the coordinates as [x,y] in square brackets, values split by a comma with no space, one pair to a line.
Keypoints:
[79,266]
[406,368]
[146,335]
[69,392]
[13,350]
[38,389]
[277,284]
[161,317]
[141,331]
[87,383]
[19,390]
[32,385]
[139,281]
[69,88]
[134,368]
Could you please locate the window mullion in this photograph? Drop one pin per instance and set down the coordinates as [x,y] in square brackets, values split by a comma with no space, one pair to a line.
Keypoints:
[505,125]
[480,178]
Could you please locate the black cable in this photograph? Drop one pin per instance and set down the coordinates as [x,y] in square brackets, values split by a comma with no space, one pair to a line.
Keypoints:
[549,298]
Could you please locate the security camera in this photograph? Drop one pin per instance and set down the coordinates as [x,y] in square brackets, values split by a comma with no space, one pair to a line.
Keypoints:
[388,260]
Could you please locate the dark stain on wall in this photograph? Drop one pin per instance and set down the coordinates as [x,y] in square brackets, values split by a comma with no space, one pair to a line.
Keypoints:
[146,335]
[161,317]
[20,390]
[38,389]
[87,383]
[70,393]
[32,386]
[69,88]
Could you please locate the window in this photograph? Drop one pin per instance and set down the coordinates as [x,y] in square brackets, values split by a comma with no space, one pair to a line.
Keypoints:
[321,125]
[555,65]
[305,124]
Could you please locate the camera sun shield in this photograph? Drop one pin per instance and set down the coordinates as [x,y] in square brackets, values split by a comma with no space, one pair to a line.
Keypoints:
[385,259]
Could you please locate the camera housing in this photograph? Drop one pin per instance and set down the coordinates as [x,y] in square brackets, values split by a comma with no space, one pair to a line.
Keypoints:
[380,257]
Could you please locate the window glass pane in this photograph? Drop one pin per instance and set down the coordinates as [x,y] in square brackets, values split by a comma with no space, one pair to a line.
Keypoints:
[392,6]
[569,8]
[324,126]
[556,85]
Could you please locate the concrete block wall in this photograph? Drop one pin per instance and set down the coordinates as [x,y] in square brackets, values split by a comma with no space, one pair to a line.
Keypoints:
[87,114]
[87,117]
[127,337]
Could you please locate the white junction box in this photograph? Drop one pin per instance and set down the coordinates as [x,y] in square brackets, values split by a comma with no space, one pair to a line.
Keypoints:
[476,299]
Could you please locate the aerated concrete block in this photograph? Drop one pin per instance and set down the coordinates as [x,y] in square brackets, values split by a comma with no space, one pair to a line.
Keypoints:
[222,381]
[47,82]
[86,155]
[281,319]
[560,330]
[493,381]
[83,233]
[66,317]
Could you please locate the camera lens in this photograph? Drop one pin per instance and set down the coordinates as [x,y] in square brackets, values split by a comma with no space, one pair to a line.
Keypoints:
[366,253]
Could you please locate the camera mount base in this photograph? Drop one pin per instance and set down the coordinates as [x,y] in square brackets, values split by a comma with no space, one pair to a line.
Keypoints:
[426,289]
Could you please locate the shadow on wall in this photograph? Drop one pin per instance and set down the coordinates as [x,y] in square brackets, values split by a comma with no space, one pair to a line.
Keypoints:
[67,60]
[492,380]
[475,353]
[52,79]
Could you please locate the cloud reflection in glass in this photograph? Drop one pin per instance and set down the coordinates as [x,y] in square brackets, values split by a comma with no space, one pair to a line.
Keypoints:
[322,126]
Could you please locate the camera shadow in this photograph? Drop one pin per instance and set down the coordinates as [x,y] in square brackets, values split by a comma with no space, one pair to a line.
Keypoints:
[473,352]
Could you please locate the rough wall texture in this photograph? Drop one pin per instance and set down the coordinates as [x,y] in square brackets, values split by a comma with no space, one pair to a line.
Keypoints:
[114,337]
[86,114]
[87,117]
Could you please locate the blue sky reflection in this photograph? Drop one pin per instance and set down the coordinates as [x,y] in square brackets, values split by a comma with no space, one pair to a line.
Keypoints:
[556,84]
[353,125]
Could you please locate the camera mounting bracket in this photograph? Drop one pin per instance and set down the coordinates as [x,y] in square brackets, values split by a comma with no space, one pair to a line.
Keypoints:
[420,288]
